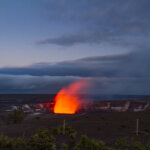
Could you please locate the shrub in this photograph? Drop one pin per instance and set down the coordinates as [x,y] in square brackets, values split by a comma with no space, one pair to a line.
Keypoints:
[6,142]
[42,141]
[122,143]
[86,143]
[45,140]
[19,144]
[56,130]
[16,116]
[37,117]
[64,146]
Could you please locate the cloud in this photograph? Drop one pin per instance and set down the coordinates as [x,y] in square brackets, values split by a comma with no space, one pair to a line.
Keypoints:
[33,84]
[89,67]
[121,85]
[120,22]
[134,64]
[113,74]
[48,84]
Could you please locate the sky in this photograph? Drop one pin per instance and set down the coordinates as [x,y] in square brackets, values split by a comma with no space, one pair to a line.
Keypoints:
[47,44]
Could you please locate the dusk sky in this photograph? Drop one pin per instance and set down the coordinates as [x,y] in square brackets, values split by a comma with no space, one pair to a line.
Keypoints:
[47,44]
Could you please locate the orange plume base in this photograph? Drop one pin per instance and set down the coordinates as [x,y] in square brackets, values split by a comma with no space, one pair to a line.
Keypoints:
[68,101]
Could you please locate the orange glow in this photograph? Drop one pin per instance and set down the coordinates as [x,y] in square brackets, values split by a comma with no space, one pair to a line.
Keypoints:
[68,101]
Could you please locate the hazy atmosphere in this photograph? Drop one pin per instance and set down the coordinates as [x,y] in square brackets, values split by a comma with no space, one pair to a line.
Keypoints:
[47,44]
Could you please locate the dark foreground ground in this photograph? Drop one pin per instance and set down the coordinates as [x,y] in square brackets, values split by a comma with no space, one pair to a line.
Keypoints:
[104,126]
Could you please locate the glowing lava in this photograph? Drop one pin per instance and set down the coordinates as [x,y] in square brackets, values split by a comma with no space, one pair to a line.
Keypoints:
[68,101]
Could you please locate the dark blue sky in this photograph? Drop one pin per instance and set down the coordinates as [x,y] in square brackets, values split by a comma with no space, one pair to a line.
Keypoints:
[46,41]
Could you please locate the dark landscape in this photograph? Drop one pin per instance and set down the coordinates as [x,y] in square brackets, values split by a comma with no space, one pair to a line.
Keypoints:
[109,121]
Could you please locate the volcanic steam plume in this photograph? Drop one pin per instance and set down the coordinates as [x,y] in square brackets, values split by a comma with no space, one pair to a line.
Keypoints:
[68,100]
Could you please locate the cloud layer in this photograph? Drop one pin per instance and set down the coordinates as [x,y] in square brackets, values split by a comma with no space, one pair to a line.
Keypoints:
[115,74]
